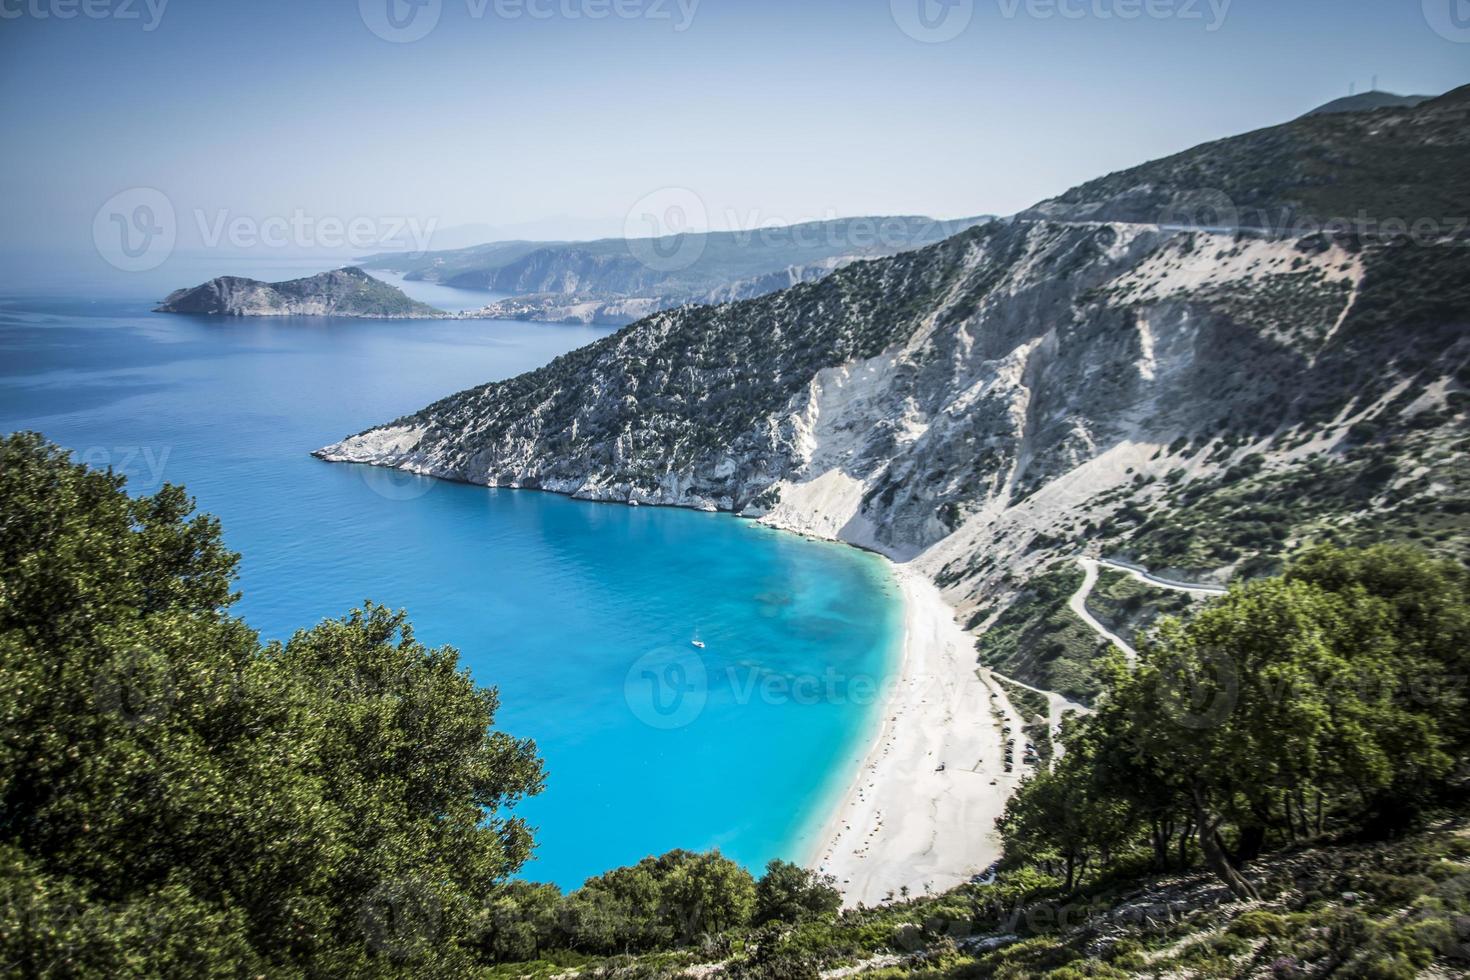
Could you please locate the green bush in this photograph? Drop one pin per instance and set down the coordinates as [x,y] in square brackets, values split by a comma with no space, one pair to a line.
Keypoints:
[1258,924]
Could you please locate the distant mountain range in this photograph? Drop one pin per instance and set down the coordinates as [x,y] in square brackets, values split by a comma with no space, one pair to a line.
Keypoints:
[1154,366]
[611,281]
[616,280]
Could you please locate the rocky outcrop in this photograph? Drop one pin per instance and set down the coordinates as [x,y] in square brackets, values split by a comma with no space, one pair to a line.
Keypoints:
[348,292]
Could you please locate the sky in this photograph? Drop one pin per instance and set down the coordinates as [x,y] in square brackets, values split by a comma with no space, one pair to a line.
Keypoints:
[297,120]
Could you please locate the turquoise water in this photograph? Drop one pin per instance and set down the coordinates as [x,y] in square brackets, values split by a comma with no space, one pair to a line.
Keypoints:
[582,614]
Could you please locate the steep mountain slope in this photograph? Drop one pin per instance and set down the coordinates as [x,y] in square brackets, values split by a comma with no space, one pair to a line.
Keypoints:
[993,404]
[618,281]
[343,292]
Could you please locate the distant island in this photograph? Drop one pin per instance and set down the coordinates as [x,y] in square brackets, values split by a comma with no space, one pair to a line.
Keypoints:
[344,292]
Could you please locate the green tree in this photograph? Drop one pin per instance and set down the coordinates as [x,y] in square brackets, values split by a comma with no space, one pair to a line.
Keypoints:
[1425,603]
[521,921]
[623,910]
[792,894]
[337,804]
[1279,690]
[1066,815]
[709,894]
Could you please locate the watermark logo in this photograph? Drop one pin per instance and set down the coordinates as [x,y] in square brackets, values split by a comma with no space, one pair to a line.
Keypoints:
[1204,698]
[135,687]
[666,230]
[667,688]
[391,483]
[1207,210]
[150,12]
[1213,212]
[138,229]
[304,231]
[400,21]
[1450,19]
[932,21]
[403,21]
[135,230]
[142,465]
[936,21]
[670,687]
[1211,13]
[680,13]
[401,919]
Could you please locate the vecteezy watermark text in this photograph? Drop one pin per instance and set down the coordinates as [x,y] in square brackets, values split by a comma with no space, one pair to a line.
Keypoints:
[936,21]
[137,229]
[143,465]
[1211,13]
[1214,212]
[303,230]
[150,12]
[670,687]
[667,230]
[404,21]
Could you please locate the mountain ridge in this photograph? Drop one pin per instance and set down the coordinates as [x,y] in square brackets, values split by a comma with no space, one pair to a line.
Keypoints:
[1368,102]
[618,280]
[990,405]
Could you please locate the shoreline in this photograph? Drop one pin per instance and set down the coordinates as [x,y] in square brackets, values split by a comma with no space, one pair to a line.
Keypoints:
[902,823]
[898,822]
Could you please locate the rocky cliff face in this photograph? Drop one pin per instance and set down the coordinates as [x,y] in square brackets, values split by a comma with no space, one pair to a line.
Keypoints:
[343,292]
[994,404]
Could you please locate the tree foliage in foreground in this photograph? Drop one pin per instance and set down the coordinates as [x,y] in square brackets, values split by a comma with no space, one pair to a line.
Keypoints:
[678,900]
[178,799]
[1332,695]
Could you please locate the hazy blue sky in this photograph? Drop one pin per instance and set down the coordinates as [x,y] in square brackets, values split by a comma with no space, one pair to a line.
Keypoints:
[767,110]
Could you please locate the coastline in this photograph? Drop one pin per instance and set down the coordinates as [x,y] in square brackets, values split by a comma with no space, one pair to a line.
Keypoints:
[902,823]
[898,823]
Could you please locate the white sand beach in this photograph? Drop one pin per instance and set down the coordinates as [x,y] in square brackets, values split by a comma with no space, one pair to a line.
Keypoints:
[903,822]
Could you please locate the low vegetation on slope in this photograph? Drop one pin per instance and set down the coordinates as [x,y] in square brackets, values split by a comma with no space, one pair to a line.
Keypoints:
[1038,640]
[1130,608]
[178,799]
[1404,163]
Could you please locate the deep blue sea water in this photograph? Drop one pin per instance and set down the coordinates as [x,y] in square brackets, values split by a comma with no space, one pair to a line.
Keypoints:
[582,614]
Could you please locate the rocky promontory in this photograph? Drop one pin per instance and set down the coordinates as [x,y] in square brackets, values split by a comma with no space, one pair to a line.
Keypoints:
[342,292]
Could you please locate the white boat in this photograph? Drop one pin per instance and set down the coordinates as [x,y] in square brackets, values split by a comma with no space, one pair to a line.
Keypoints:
[698,643]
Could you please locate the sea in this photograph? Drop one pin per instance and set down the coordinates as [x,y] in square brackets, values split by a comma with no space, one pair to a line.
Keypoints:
[691,680]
